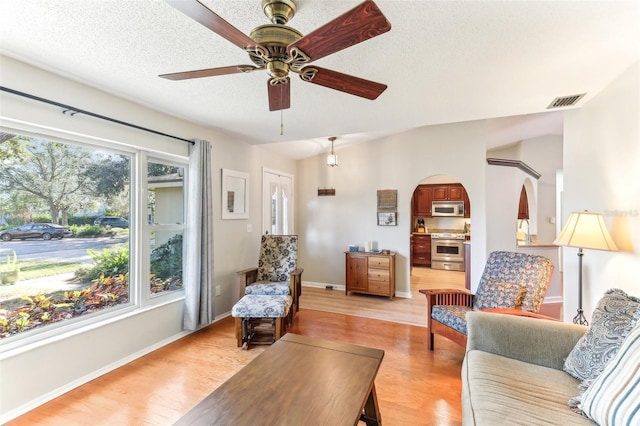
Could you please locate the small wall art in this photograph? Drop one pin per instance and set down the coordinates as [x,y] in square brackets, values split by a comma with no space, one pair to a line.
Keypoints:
[387,207]
[387,219]
[235,194]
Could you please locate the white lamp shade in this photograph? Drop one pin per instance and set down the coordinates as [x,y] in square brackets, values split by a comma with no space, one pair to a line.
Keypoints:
[586,230]
[332,160]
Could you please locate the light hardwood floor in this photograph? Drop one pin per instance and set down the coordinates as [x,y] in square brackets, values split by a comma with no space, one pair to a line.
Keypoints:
[403,310]
[415,386]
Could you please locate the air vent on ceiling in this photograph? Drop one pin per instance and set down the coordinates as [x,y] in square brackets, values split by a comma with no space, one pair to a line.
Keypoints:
[565,101]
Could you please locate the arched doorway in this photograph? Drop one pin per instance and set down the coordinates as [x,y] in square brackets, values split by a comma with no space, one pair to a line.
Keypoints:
[440,226]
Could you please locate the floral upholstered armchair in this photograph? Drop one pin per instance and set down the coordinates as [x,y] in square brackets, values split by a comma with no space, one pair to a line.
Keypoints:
[512,283]
[277,272]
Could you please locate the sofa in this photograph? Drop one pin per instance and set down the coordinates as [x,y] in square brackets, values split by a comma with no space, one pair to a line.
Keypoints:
[512,371]
[528,371]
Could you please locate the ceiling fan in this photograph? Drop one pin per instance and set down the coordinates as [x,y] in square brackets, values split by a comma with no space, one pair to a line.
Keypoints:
[280,49]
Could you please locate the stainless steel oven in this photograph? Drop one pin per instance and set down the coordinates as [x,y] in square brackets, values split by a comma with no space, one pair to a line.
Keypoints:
[447,251]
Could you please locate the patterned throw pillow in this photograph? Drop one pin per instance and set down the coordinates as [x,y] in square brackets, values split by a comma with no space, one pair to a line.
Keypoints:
[612,320]
[614,397]
[497,294]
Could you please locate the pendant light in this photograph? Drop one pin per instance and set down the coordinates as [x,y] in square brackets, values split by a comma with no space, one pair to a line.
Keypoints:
[332,158]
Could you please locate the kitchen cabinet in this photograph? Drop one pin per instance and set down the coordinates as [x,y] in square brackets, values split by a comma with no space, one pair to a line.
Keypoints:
[523,206]
[371,273]
[422,197]
[421,250]
[467,204]
[449,192]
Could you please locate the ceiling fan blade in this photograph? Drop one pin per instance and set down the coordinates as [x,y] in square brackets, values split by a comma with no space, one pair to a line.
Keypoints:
[279,95]
[355,26]
[201,13]
[210,72]
[342,82]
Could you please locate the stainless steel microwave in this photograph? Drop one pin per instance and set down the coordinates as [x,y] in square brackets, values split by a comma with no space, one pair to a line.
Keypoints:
[447,208]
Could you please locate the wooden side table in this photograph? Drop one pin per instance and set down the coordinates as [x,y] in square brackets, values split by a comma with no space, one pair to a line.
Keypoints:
[371,273]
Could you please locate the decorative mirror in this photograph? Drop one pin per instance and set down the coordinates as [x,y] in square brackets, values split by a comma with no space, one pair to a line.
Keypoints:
[235,194]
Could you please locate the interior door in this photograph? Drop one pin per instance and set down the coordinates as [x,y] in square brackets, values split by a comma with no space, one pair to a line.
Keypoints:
[277,202]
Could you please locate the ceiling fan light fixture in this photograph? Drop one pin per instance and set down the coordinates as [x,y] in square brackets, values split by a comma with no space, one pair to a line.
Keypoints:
[278,69]
[332,158]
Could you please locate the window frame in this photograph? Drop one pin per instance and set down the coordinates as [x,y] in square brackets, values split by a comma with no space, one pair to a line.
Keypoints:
[139,289]
[147,297]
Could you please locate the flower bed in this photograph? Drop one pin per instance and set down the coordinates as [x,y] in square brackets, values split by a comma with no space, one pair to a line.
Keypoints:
[46,309]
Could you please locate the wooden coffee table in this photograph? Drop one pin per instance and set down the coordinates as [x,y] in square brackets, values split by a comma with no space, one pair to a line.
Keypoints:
[298,380]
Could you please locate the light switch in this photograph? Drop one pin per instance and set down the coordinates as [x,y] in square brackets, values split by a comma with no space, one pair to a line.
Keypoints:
[249,227]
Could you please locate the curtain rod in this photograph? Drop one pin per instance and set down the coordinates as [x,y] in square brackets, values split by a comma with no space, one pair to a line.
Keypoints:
[73,111]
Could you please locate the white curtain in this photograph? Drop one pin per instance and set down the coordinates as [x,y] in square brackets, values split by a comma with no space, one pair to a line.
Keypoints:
[199,286]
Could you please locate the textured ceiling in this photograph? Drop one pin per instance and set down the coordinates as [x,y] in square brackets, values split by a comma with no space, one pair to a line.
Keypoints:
[443,62]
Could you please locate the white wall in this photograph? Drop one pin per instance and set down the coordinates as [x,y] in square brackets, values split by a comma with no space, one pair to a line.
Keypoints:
[544,155]
[602,174]
[330,224]
[85,355]
[504,184]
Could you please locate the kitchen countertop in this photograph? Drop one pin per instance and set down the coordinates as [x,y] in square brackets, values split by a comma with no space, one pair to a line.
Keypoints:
[440,231]
[521,244]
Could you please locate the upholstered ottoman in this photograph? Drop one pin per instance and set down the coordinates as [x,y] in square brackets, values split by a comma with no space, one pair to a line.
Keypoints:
[261,319]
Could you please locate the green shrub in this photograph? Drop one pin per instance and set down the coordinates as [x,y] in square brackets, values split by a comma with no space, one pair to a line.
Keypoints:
[166,265]
[109,262]
[42,218]
[85,230]
[166,259]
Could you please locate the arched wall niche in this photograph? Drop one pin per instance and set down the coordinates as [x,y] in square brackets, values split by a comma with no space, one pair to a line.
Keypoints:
[528,225]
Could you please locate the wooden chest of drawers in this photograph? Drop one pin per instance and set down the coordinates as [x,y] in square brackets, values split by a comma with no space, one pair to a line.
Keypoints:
[371,273]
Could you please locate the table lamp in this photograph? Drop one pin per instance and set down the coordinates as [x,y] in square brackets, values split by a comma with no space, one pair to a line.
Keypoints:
[585,230]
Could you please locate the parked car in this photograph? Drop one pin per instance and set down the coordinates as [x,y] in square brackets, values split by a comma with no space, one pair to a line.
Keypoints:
[109,222]
[46,231]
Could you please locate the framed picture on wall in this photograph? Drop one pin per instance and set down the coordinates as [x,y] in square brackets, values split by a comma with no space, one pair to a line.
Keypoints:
[235,194]
[387,219]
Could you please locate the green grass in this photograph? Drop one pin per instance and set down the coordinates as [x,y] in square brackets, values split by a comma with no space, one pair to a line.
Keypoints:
[31,270]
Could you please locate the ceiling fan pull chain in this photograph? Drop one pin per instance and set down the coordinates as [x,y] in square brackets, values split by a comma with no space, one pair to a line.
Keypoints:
[281,112]
[281,124]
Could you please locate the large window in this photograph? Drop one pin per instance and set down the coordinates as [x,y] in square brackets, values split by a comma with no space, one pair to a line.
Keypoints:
[70,215]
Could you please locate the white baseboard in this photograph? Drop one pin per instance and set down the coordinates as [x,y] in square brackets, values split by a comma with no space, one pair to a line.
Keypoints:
[322,285]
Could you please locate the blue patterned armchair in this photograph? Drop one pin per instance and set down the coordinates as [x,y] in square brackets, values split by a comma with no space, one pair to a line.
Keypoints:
[277,272]
[512,283]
